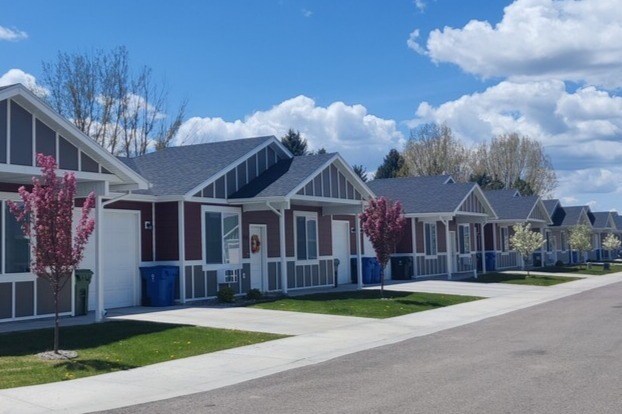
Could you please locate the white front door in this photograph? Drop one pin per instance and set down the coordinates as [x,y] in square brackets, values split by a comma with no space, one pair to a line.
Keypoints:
[120,259]
[341,249]
[259,257]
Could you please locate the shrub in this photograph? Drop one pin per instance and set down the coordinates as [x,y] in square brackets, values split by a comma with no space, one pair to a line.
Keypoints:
[226,294]
[253,294]
[559,263]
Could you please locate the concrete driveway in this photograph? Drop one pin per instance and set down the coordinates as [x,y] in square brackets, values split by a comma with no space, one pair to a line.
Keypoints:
[247,319]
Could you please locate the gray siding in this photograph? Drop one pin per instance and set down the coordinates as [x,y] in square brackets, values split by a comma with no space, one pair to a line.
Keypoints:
[431,266]
[67,155]
[45,139]
[6,300]
[45,299]
[245,281]
[507,260]
[24,294]
[21,135]
[88,164]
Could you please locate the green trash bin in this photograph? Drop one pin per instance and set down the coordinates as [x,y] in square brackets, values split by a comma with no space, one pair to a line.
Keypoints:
[83,279]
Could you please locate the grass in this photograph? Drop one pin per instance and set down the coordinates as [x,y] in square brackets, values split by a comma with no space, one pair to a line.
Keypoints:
[596,270]
[534,280]
[108,347]
[365,303]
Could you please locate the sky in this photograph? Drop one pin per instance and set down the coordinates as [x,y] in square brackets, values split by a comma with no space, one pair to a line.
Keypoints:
[354,76]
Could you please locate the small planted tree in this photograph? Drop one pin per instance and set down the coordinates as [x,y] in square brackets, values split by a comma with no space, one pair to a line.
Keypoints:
[383,222]
[526,241]
[46,218]
[580,239]
[611,243]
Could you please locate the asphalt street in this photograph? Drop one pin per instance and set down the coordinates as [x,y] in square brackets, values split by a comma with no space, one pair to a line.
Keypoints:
[564,356]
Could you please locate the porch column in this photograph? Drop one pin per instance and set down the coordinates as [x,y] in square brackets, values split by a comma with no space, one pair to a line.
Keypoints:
[494,244]
[542,248]
[448,249]
[481,237]
[359,261]
[182,251]
[99,263]
[282,249]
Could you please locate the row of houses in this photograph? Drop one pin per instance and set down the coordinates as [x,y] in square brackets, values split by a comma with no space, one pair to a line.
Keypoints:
[247,214]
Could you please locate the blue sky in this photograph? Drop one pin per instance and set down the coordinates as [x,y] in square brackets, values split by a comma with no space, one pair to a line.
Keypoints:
[344,73]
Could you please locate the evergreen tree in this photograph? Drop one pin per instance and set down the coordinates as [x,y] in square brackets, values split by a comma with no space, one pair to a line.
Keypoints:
[361,171]
[295,143]
[321,151]
[391,165]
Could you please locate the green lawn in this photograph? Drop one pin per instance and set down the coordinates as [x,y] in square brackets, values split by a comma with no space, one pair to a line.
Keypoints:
[365,303]
[535,280]
[110,346]
[596,270]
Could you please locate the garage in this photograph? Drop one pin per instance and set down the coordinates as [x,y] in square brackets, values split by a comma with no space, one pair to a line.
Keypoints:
[120,260]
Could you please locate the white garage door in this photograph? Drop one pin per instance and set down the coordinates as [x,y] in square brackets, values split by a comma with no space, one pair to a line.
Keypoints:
[120,259]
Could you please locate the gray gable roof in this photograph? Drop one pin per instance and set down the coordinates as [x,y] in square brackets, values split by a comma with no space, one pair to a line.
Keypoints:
[600,219]
[511,207]
[550,206]
[422,194]
[617,219]
[283,177]
[567,216]
[177,170]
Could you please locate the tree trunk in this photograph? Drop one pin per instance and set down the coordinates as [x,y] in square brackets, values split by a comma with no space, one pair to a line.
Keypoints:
[382,282]
[56,321]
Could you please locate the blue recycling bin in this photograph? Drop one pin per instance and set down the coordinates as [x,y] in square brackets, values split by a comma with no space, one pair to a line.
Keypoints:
[491,259]
[368,270]
[575,257]
[159,285]
[377,271]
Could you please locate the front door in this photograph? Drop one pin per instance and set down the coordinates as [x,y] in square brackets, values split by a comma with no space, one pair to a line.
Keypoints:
[259,257]
[341,249]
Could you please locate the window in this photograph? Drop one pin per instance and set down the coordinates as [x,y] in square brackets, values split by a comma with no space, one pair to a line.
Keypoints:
[430,239]
[222,237]
[306,236]
[16,245]
[505,239]
[464,234]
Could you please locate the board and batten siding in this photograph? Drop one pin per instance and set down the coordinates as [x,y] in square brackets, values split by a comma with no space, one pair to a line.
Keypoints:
[26,135]
[167,231]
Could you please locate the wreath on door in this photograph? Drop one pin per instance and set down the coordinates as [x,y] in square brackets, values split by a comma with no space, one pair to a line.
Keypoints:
[255,243]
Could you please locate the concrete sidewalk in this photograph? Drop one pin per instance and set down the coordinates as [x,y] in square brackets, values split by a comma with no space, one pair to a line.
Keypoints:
[219,369]
[448,287]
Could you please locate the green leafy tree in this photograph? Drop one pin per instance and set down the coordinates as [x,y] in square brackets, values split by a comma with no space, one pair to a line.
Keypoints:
[611,243]
[295,143]
[392,165]
[580,239]
[526,241]
[361,171]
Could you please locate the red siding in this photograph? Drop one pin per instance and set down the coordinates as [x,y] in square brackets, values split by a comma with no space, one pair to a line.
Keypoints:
[167,231]
[441,239]
[419,237]
[146,214]
[192,231]
[405,245]
[350,219]
[325,237]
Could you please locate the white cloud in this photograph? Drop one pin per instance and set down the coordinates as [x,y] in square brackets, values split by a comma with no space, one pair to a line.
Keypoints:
[413,42]
[420,5]
[12,35]
[306,12]
[539,39]
[349,129]
[14,76]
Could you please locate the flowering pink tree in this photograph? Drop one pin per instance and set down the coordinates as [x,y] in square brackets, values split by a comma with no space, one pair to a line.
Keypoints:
[383,222]
[46,217]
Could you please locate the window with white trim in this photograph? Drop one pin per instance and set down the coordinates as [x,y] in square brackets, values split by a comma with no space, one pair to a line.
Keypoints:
[464,235]
[16,246]
[430,239]
[221,236]
[306,236]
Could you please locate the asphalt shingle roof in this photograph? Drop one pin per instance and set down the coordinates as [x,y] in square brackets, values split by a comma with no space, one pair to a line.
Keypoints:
[177,170]
[618,221]
[550,205]
[422,194]
[283,177]
[509,207]
[601,219]
[567,216]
